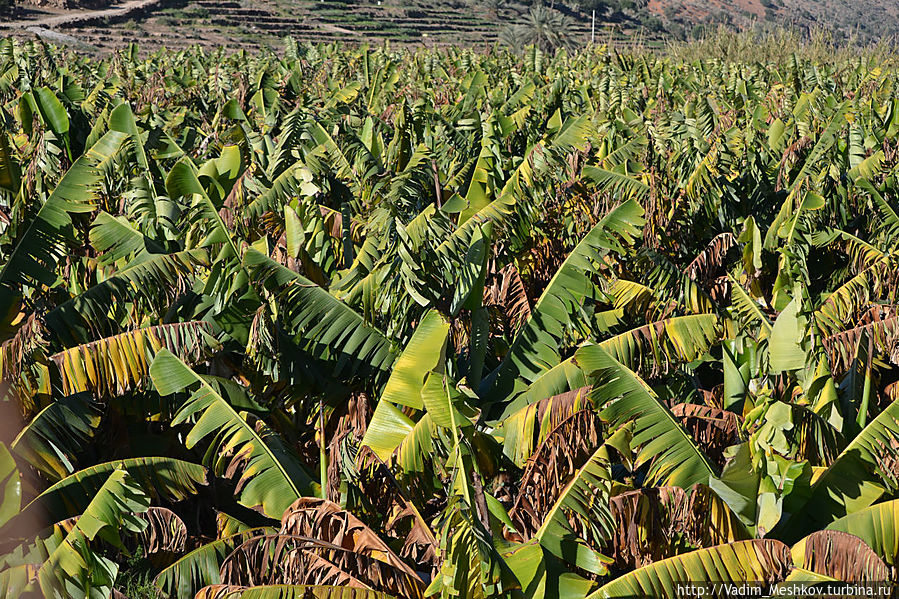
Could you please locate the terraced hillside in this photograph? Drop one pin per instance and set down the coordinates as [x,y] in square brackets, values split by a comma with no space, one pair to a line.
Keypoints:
[249,24]
[252,24]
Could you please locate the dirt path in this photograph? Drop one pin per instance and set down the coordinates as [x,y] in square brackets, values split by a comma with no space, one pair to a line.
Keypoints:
[122,10]
[335,29]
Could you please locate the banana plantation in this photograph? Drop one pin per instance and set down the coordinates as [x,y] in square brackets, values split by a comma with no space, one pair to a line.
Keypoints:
[368,323]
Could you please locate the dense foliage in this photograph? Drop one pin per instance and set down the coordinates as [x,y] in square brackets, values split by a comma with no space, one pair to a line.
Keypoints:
[366,323]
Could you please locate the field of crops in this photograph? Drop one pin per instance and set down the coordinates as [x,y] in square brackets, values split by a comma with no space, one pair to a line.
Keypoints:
[364,323]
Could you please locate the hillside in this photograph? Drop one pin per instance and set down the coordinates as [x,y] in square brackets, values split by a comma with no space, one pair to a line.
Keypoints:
[101,26]
[264,23]
[870,19]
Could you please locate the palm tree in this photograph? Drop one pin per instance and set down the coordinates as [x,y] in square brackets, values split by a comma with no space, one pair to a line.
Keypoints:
[543,27]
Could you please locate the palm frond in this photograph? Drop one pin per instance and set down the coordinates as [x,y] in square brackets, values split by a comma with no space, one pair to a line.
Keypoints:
[535,348]
[268,475]
[672,455]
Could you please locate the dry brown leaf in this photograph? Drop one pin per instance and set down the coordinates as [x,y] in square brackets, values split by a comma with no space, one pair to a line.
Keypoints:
[293,559]
[564,450]
[709,262]
[165,532]
[504,290]
[659,522]
[713,429]
[842,556]
[403,519]
[842,347]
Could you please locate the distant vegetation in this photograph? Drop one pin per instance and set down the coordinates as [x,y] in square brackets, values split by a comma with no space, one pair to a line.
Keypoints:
[262,23]
[370,323]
